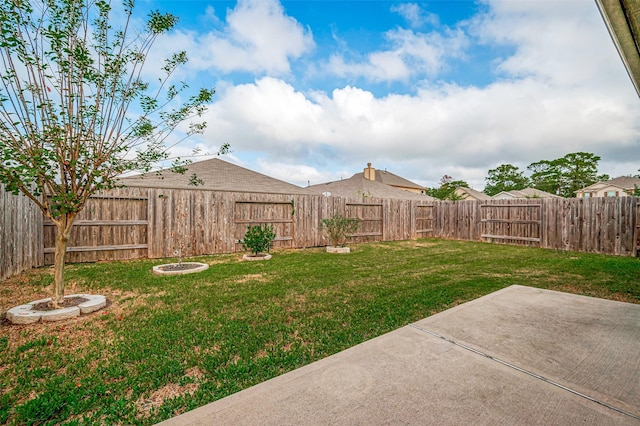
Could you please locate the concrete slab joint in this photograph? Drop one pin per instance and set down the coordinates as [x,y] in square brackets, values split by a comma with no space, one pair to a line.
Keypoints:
[520,355]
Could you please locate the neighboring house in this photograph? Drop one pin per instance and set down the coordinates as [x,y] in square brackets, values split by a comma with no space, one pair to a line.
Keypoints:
[470,194]
[622,186]
[391,179]
[214,174]
[359,186]
[523,193]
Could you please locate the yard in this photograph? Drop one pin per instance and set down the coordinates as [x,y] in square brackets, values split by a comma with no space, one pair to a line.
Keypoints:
[166,345]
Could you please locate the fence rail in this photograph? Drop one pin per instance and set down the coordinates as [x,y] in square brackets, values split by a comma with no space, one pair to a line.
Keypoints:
[134,223]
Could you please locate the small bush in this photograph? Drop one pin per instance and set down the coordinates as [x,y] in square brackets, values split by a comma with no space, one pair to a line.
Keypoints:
[258,238]
[338,228]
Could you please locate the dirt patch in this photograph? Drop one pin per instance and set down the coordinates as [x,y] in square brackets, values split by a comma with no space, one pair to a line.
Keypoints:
[157,398]
[72,336]
[172,390]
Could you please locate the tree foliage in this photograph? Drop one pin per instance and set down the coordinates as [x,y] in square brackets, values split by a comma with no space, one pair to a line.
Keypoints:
[338,228]
[69,76]
[447,188]
[505,177]
[563,176]
[258,238]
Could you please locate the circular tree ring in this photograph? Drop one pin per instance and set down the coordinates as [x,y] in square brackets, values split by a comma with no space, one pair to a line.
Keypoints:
[334,249]
[32,312]
[179,268]
[259,256]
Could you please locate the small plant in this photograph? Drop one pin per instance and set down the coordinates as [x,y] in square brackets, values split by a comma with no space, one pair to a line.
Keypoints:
[258,239]
[338,228]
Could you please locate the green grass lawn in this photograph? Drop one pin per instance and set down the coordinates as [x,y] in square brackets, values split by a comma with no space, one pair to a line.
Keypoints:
[166,345]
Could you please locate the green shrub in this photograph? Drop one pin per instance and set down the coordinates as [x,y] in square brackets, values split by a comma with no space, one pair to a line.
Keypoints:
[338,228]
[258,238]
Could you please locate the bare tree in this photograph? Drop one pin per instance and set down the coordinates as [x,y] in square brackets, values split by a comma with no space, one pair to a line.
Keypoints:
[74,110]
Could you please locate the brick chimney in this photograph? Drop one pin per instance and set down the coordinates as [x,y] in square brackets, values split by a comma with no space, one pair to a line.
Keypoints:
[370,172]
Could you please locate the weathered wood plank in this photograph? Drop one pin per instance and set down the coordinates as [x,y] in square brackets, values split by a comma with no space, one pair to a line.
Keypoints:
[91,222]
[99,248]
[510,237]
[21,234]
[155,222]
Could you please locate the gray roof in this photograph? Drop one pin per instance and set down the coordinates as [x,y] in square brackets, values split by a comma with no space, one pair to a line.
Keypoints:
[527,193]
[217,175]
[358,186]
[391,179]
[472,193]
[624,182]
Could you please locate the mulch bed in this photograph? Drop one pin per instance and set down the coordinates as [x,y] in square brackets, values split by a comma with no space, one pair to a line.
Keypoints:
[66,303]
[179,266]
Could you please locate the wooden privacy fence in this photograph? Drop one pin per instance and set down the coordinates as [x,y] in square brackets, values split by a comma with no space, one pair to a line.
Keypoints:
[591,225]
[20,234]
[134,223]
[112,226]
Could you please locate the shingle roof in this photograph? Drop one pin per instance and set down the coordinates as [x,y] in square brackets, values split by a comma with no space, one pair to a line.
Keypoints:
[534,193]
[624,182]
[358,186]
[526,193]
[217,175]
[391,179]
[472,193]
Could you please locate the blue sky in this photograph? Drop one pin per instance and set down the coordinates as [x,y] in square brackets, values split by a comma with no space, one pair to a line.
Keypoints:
[311,91]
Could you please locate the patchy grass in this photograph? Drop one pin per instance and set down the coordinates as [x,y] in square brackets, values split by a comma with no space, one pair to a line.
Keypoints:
[169,344]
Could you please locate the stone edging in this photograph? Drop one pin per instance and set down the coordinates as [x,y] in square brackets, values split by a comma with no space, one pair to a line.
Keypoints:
[25,314]
[200,267]
[261,256]
[334,249]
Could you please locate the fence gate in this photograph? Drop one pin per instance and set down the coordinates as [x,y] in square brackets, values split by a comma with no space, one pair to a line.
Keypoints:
[424,221]
[371,221]
[279,214]
[112,226]
[512,223]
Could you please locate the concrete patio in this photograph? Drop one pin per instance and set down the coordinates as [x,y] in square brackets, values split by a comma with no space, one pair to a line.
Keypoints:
[517,356]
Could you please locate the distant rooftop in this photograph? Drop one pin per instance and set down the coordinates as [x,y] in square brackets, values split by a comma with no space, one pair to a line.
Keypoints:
[359,186]
[216,174]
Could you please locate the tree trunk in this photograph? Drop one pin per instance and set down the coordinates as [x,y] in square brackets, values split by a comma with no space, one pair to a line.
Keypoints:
[63,230]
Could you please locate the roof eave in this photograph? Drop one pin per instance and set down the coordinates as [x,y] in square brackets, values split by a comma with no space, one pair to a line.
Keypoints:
[621,16]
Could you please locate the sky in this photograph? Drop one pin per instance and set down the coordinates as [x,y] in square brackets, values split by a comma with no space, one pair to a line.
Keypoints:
[311,91]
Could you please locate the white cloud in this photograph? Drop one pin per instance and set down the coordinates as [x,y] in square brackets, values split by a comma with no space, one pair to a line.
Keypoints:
[415,15]
[562,90]
[257,37]
[210,17]
[412,54]
[564,43]
[438,130]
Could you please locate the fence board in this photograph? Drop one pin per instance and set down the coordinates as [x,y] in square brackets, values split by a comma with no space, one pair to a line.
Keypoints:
[512,222]
[116,220]
[20,234]
[153,222]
